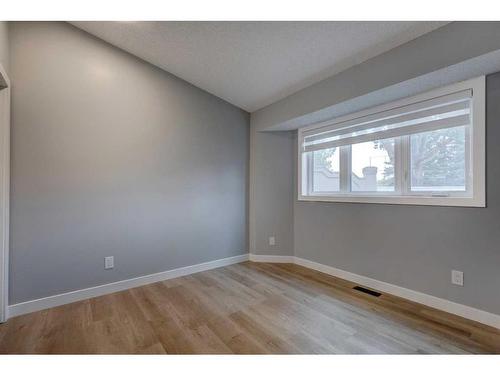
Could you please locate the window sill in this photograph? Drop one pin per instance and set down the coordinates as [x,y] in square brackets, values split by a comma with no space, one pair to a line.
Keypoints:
[407,200]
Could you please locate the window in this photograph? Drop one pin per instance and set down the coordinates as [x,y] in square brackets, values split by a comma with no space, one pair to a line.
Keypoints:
[428,149]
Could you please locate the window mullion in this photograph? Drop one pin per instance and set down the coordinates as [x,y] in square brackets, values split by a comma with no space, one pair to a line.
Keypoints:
[405,165]
[468,161]
[345,168]
[310,173]
[398,170]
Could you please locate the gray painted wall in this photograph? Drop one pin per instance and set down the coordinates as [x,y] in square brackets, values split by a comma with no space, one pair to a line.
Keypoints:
[448,45]
[112,156]
[415,247]
[271,192]
[4,45]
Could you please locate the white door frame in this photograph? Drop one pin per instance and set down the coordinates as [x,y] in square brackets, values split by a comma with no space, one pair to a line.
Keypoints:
[4,191]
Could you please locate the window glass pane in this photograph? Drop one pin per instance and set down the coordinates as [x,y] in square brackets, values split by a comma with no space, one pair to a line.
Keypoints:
[372,166]
[326,167]
[438,160]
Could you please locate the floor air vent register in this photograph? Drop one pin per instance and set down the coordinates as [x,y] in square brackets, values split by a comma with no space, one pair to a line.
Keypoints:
[367,291]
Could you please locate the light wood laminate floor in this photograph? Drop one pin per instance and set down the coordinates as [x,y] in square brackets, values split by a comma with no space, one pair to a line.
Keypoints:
[246,308]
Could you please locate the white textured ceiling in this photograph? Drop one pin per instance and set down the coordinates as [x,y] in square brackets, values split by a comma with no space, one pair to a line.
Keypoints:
[253,64]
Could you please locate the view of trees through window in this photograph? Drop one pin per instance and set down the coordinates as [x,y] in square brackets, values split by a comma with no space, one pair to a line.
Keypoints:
[437,162]
[326,170]
[324,158]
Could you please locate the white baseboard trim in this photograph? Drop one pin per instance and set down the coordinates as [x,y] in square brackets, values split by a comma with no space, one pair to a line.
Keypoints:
[96,291]
[464,311]
[271,258]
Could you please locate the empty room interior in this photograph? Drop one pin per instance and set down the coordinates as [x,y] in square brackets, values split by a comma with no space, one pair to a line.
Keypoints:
[246,187]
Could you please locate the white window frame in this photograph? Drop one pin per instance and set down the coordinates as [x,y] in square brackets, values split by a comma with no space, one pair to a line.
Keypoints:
[475,196]
[4,191]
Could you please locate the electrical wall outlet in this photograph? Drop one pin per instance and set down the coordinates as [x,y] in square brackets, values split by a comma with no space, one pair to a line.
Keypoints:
[272,241]
[109,263]
[457,277]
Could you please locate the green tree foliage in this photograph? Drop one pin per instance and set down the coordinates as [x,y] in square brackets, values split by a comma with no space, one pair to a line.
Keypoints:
[388,172]
[437,158]
[324,158]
